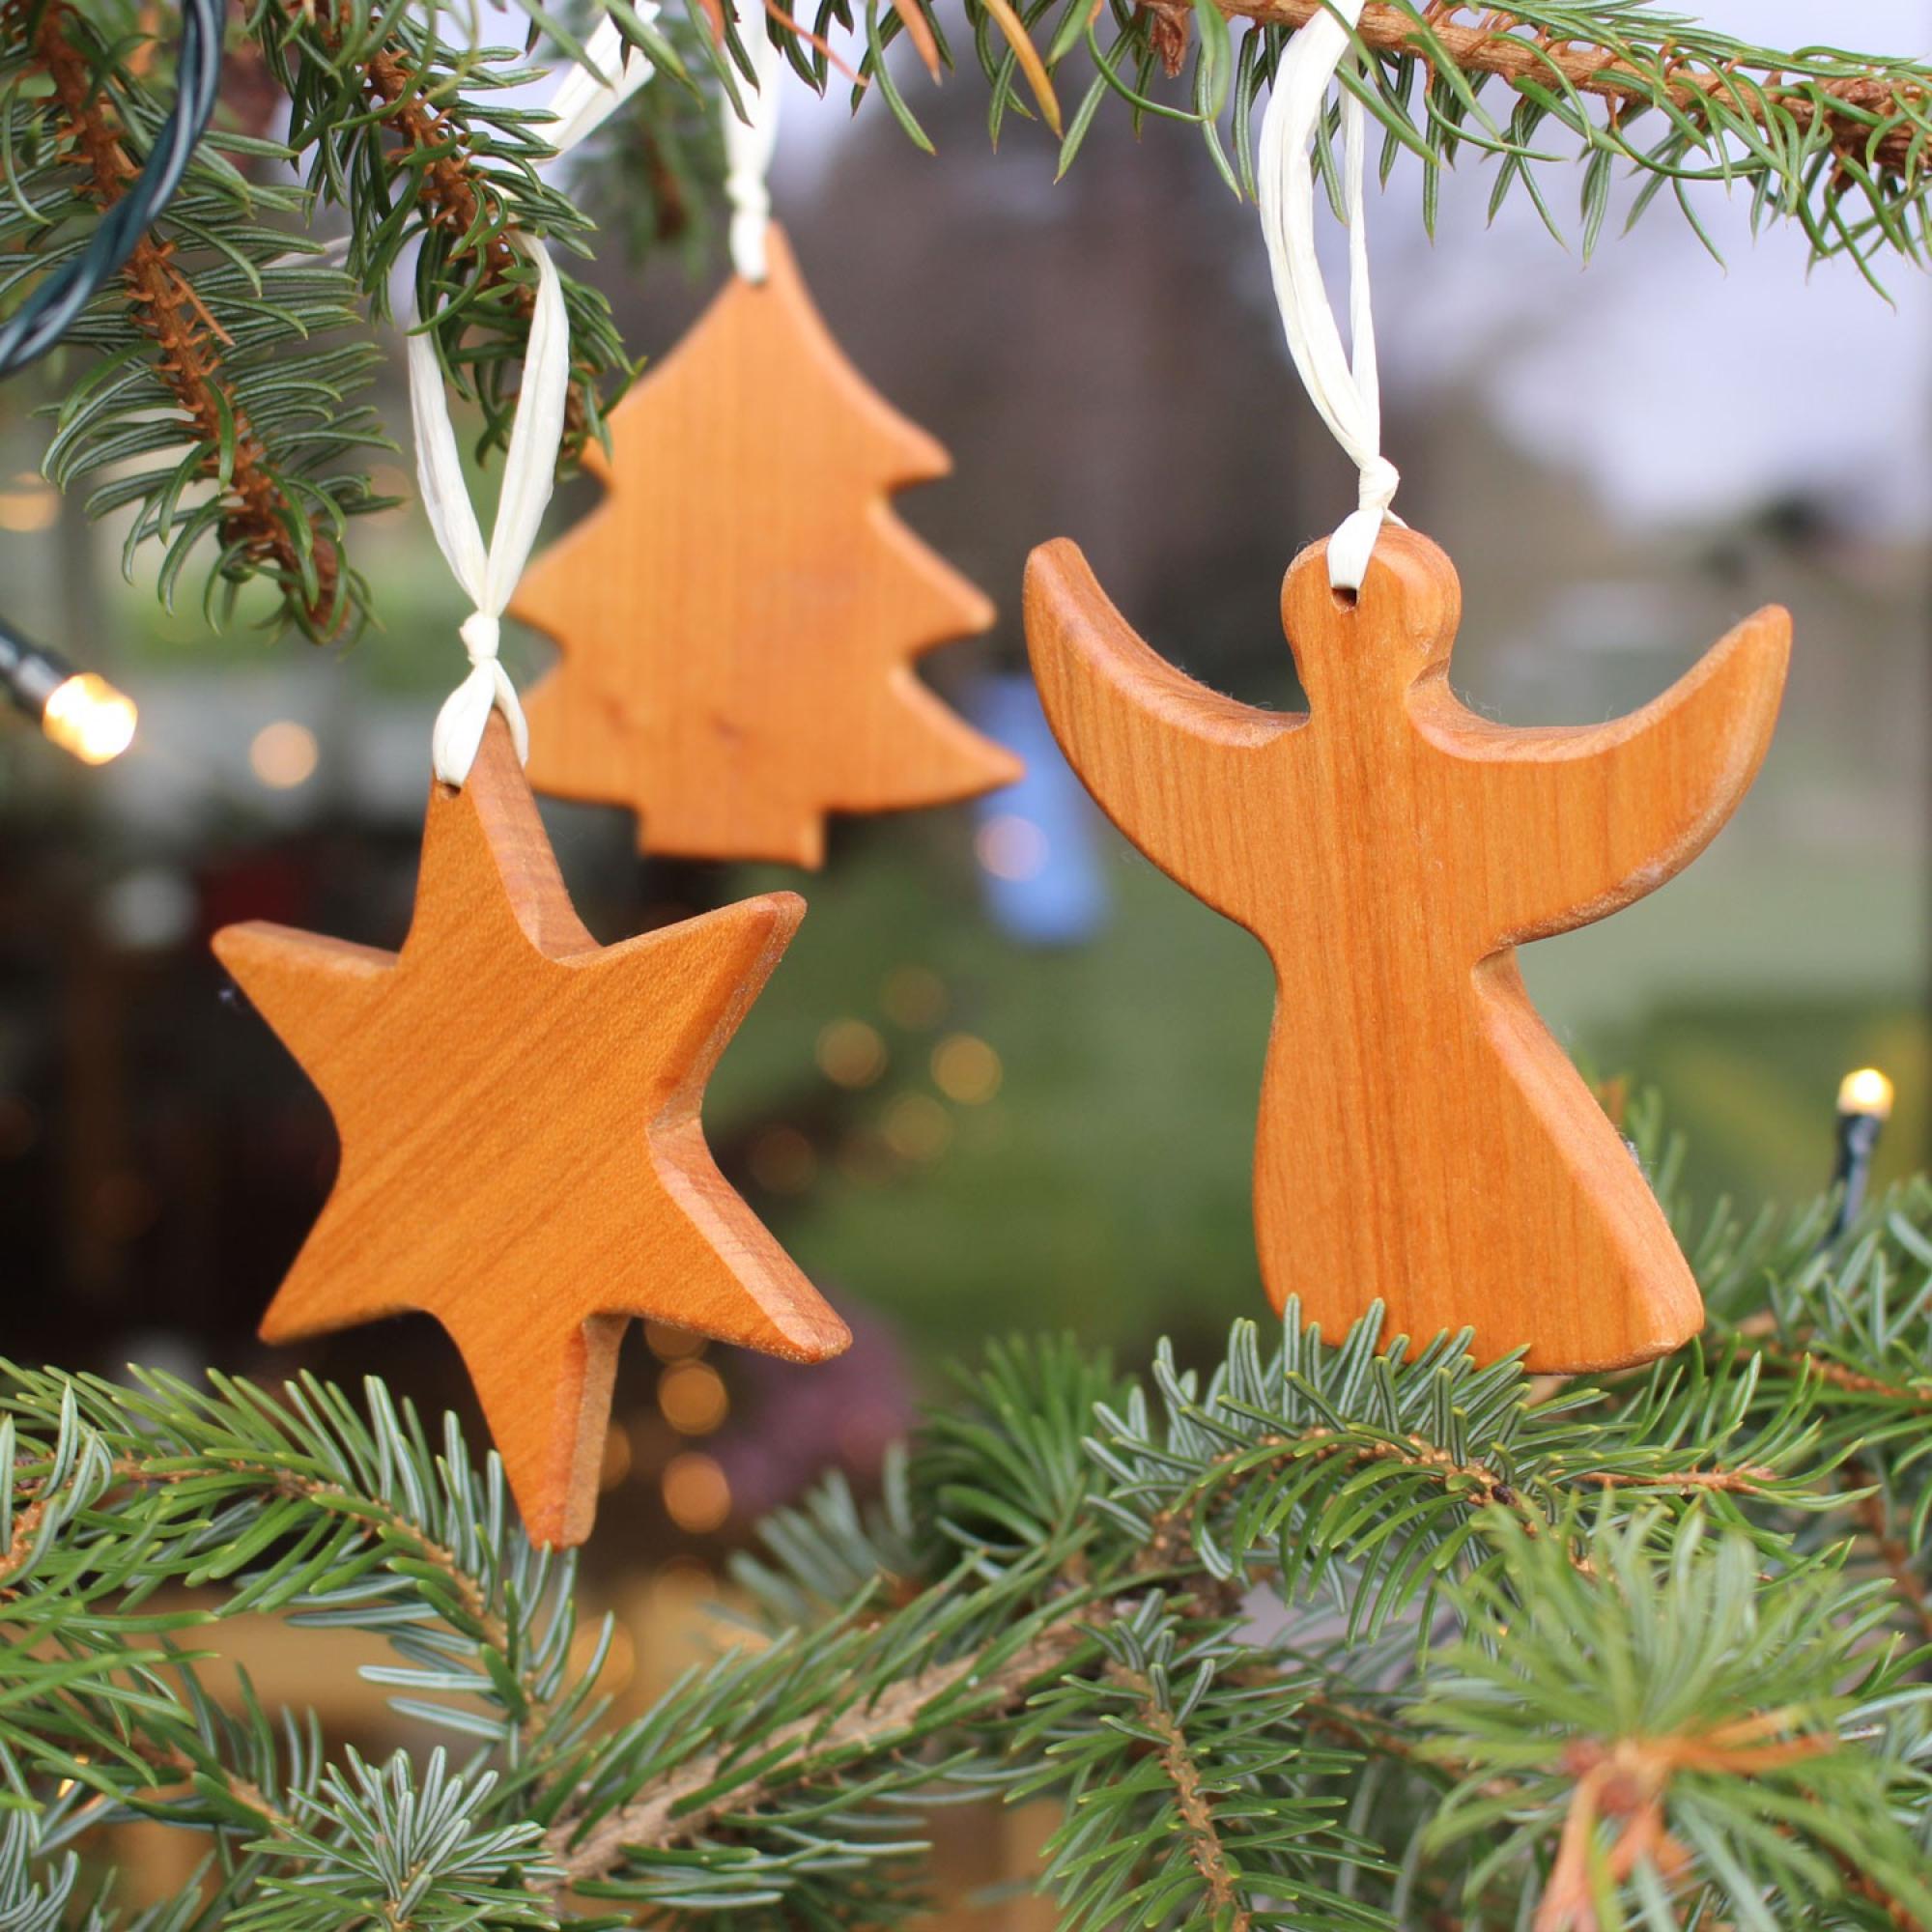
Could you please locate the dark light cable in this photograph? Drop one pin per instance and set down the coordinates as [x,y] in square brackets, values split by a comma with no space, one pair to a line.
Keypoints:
[80,711]
[50,310]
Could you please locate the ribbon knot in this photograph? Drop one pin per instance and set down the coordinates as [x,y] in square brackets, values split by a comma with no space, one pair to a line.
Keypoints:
[481,634]
[1380,480]
[1354,544]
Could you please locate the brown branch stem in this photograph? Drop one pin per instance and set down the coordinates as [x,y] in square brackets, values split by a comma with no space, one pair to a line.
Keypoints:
[661,1818]
[1747,1480]
[453,193]
[1197,1815]
[1894,1555]
[1501,44]
[1792,1354]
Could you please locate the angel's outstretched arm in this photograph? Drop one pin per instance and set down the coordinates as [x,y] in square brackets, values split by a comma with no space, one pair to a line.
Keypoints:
[1178,767]
[1578,821]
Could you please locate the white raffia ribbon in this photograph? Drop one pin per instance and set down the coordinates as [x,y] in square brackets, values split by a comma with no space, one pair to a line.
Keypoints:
[749,143]
[583,98]
[1344,386]
[488,573]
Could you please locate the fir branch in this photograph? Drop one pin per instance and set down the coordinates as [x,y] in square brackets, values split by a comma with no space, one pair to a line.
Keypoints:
[457,197]
[1835,141]
[1590,1653]
[1643,1712]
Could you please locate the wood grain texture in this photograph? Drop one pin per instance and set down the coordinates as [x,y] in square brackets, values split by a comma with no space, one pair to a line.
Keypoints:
[521,1152]
[739,617]
[1422,1139]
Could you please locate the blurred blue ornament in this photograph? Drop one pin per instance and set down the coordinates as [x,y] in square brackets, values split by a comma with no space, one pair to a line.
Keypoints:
[1035,839]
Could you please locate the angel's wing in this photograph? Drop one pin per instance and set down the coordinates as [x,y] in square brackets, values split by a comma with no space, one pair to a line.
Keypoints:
[1178,767]
[1579,821]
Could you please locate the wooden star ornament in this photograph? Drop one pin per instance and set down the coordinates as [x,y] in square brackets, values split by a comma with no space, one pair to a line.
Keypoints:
[739,618]
[1423,1140]
[521,1152]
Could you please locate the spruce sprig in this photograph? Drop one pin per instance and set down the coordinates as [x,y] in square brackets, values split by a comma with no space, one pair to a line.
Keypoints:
[213,388]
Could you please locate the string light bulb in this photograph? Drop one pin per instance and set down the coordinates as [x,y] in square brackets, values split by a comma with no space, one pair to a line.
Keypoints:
[1865,1105]
[78,710]
[1866,1092]
[87,717]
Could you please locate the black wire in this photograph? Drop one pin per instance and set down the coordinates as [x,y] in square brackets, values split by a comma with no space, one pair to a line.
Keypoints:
[29,674]
[47,315]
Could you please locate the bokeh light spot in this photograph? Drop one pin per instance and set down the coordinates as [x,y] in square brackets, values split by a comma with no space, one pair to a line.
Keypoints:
[966,1070]
[1012,847]
[671,1344]
[696,1497]
[782,1161]
[914,997]
[692,1396]
[917,1127]
[283,755]
[851,1053]
[617,1457]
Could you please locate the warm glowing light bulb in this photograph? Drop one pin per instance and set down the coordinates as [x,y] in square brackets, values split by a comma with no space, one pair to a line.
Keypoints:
[1866,1092]
[85,715]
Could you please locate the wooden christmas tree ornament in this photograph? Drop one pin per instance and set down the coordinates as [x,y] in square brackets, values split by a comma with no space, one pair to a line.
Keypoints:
[521,1153]
[1423,1140]
[739,617]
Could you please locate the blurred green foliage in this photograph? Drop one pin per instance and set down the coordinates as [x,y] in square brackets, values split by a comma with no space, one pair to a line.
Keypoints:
[1104,1189]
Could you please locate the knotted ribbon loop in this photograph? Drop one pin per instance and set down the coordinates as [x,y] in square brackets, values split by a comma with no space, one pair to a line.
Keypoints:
[749,143]
[488,574]
[1344,386]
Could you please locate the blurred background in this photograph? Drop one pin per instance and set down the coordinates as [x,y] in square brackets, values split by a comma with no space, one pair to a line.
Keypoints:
[1005,1076]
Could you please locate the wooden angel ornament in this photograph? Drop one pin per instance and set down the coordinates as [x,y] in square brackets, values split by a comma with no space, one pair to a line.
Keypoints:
[739,618]
[521,1152]
[1423,1140]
